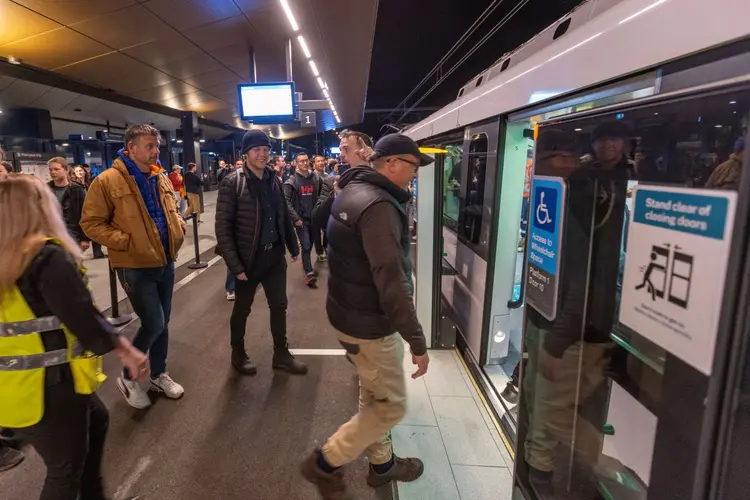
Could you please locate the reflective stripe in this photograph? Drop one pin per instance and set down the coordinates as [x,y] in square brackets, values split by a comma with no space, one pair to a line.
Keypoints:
[37,325]
[36,361]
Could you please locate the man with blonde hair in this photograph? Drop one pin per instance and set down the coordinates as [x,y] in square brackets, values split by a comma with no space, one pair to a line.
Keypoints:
[131,209]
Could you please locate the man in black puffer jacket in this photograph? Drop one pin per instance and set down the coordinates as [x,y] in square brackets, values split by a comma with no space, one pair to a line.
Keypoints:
[252,227]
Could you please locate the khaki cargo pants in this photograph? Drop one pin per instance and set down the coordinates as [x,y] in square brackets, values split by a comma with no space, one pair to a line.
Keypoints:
[382,401]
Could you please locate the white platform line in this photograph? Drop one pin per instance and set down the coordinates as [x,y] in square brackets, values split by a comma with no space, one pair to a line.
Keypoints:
[318,352]
[124,489]
[190,277]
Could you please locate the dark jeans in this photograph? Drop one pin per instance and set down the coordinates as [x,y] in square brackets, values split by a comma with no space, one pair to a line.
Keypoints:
[319,239]
[269,270]
[150,294]
[229,283]
[305,233]
[70,439]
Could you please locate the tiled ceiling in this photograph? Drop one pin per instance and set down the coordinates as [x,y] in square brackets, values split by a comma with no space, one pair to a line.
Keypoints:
[191,54]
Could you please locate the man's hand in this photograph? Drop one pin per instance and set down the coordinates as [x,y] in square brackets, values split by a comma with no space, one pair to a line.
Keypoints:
[242,277]
[421,362]
[298,223]
[294,258]
[85,245]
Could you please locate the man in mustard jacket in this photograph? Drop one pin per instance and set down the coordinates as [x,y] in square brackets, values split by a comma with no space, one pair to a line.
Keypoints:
[130,208]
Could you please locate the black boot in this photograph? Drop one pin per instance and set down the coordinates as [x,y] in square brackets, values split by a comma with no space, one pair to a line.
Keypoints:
[241,362]
[283,360]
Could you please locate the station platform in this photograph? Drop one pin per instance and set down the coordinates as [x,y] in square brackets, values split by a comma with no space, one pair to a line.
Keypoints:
[237,437]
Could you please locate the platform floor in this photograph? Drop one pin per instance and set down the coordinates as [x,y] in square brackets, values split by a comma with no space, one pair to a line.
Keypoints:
[234,437]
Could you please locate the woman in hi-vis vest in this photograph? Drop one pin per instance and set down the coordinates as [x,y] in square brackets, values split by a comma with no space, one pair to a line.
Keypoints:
[52,338]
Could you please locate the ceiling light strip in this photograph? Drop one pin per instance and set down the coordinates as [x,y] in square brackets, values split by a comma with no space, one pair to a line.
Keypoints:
[306,50]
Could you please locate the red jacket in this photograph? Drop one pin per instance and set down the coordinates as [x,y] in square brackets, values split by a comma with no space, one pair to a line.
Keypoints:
[177,182]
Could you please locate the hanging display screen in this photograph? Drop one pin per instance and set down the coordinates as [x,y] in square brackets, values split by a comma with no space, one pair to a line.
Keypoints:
[267,102]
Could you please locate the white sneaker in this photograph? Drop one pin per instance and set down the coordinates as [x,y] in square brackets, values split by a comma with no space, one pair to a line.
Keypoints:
[134,394]
[230,295]
[170,388]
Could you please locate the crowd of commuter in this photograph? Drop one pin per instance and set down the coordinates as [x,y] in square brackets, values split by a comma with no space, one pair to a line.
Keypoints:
[52,337]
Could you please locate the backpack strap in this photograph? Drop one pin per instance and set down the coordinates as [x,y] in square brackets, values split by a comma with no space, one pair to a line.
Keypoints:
[240,183]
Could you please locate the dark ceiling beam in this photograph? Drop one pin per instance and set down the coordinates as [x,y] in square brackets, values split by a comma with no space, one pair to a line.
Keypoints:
[51,79]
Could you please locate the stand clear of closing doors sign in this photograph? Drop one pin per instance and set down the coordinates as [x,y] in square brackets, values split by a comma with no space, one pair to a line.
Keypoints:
[676,264]
[545,235]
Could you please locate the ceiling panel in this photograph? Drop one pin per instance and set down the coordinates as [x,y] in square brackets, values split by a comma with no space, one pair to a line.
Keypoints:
[213,78]
[54,49]
[186,14]
[225,92]
[231,54]
[164,92]
[5,81]
[183,101]
[54,99]
[206,106]
[86,104]
[227,32]
[169,47]
[272,22]
[196,65]
[101,28]
[137,81]
[19,23]
[71,11]
[250,5]
[21,93]
[101,70]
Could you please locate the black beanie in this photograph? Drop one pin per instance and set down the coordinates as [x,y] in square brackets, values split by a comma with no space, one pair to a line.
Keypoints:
[254,138]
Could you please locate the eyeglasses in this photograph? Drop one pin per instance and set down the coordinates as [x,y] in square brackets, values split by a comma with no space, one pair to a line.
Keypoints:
[414,164]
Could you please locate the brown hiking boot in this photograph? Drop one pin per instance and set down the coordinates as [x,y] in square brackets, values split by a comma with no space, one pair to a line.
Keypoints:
[403,469]
[330,486]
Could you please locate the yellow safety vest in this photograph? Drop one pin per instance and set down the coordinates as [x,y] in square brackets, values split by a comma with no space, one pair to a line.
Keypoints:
[23,361]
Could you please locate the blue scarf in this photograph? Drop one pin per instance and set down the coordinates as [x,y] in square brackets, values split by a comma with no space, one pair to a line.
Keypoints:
[149,189]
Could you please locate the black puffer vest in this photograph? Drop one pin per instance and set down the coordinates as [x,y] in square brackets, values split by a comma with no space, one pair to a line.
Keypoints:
[353,303]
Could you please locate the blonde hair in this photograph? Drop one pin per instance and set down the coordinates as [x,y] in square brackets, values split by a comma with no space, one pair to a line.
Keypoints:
[37,216]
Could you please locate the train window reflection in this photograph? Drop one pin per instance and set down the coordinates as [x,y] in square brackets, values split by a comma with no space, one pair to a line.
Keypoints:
[452,184]
[606,370]
[474,194]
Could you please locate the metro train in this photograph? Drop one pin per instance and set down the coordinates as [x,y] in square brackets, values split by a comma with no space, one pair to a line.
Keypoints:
[664,86]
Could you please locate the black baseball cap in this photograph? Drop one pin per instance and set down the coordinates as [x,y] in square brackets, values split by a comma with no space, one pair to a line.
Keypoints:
[399,144]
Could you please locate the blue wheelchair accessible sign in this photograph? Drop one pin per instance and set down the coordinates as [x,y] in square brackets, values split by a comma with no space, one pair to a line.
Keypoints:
[544,242]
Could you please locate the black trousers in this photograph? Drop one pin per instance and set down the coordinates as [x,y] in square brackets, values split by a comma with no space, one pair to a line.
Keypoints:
[319,239]
[70,439]
[269,270]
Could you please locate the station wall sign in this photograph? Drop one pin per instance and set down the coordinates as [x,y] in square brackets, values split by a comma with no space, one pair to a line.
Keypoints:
[307,118]
[676,261]
[34,164]
[544,243]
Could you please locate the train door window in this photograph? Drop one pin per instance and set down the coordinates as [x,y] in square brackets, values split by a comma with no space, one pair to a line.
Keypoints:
[622,390]
[473,201]
[452,184]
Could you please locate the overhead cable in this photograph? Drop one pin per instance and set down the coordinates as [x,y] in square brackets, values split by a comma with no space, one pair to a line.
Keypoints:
[470,31]
[489,35]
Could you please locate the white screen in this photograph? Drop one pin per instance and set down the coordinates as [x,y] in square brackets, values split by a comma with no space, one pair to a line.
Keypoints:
[267,100]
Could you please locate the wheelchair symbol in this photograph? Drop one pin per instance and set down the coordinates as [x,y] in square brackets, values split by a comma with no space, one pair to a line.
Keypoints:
[542,214]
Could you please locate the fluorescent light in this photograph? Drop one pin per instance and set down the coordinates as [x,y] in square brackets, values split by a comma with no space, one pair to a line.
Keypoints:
[314,68]
[202,140]
[645,9]
[105,130]
[65,144]
[325,93]
[320,82]
[89,137]
[656,114]
[289,15]
[578,129]
[179,141]
[333,108]
[718,126]
[732,102]
[338,120]
[303,44]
